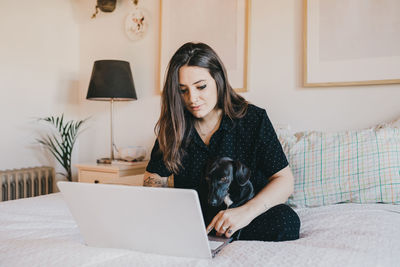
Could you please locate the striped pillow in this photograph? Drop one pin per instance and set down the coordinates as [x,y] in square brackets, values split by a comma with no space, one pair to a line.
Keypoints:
[353,166]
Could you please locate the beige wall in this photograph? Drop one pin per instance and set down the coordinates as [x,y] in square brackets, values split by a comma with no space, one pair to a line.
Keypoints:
[39,66]
[276,69]
[274,76]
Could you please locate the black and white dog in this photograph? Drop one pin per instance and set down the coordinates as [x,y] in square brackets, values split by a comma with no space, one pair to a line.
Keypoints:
[229,186]
[229,182]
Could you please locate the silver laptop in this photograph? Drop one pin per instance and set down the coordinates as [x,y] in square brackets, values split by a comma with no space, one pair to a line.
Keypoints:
[155,220]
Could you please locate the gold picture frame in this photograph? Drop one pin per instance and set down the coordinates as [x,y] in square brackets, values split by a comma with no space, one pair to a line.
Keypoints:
[222,24]
[340,52]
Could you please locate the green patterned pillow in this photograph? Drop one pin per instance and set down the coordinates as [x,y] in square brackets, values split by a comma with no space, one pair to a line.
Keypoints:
[353,166]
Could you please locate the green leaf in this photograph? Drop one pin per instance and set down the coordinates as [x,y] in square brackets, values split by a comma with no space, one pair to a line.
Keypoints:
[61,144]
[61,121]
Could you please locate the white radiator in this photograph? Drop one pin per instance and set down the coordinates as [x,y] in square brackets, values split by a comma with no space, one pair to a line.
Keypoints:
[26,182]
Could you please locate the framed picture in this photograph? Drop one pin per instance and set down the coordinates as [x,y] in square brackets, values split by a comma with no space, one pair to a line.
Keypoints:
[221,24]
[351,42]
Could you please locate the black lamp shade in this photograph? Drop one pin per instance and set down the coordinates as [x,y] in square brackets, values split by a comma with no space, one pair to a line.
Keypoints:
[111,79]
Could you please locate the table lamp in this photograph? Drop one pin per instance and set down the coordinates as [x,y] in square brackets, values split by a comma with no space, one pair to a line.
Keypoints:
[111,80]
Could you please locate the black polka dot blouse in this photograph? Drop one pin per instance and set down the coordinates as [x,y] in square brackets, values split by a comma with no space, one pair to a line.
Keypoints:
[251,140]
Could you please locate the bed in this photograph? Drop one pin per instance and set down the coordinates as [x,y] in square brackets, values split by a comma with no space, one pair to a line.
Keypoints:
[40,231]
[346,192]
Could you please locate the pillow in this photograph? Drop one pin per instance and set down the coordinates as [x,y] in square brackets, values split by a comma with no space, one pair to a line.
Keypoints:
[286,138]
[393,123]
[353,166]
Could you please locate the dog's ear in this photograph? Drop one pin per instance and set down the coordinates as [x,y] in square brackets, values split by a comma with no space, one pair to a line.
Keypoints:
[210,165]
[241,172]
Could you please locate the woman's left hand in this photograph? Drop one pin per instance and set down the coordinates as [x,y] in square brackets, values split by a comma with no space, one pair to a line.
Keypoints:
[229,221]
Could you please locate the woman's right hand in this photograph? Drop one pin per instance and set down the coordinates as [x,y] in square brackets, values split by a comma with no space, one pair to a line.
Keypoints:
[154,180]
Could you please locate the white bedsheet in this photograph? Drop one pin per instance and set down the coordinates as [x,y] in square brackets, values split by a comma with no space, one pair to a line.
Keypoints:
[41,232]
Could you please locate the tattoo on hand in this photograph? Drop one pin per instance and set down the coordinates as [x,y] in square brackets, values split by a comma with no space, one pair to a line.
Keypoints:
[155,182]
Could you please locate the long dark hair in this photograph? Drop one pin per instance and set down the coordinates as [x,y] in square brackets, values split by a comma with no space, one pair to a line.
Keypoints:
[175,124]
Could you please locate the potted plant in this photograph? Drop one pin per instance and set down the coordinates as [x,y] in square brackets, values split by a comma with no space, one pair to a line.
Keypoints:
[61,142]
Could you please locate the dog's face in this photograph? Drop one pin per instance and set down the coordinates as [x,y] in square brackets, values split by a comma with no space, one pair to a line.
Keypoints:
[220,175]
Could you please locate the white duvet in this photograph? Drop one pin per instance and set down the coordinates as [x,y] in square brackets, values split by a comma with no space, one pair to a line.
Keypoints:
[41,232]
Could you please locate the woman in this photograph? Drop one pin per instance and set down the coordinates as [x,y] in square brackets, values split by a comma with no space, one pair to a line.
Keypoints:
[202,118]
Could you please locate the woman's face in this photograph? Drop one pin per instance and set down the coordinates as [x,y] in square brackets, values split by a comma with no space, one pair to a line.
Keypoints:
[198,90]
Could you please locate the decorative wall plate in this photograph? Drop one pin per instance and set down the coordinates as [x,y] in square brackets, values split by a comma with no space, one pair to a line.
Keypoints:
[136,24]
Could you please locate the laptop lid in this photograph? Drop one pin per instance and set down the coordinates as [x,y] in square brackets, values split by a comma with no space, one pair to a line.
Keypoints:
[156,220]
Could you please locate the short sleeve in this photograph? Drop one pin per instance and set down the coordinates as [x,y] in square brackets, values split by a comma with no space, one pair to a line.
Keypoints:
[156,163]
[270,155]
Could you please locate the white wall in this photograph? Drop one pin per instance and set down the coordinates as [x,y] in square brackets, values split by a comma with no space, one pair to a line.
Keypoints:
[104,38]
[276,71]
[274,78]
[39,66]
[274,75]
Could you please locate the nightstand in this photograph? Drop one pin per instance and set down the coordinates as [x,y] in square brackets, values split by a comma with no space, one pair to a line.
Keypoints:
[131,174]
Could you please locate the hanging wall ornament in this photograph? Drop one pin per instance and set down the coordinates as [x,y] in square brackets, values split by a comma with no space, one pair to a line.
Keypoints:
[136,22]
[105,6]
